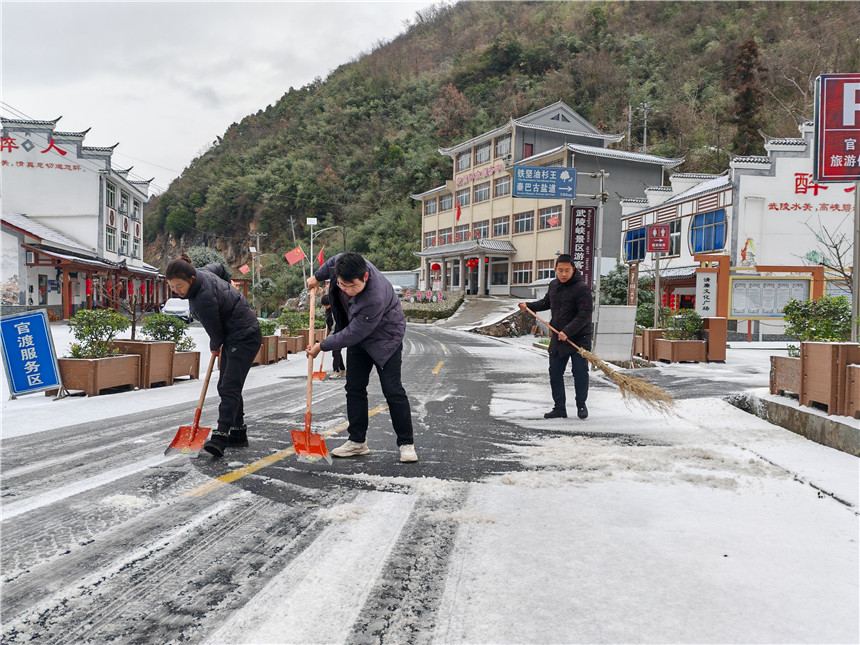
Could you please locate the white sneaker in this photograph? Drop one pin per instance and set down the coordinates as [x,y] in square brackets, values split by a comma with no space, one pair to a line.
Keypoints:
[407,453]
[336,375]
[351,449]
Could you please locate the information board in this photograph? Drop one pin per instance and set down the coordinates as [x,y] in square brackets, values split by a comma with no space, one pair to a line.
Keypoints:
[28,353]
[754,298]
[550,182]
[837,128]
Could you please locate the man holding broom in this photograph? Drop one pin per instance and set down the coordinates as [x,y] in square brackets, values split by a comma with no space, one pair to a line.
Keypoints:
[569,299]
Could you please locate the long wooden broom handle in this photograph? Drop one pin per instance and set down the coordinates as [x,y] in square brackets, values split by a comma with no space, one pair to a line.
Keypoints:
[311,342]
[551,328]
[206,381]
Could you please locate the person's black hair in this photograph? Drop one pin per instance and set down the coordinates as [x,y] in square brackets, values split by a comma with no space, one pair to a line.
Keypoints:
[350,266]
[564,257]
[181,268]
[325,301]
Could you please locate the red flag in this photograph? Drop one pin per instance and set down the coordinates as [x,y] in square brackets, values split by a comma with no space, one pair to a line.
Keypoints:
[553,221]
[244,269]
[458,211]
[295,255]
[320,256]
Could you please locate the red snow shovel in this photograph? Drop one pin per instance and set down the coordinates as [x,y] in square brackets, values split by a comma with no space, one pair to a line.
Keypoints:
[310,446]
[193,437]
[319,375]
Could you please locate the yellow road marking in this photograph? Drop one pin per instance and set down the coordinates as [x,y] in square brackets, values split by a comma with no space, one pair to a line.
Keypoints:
[438,367]
[223,480]
[442,345]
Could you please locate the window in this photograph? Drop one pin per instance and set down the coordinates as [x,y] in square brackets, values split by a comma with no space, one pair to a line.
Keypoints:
[123,243]
[528,150]
[501,226]
[674,239]
[464,160]
[634,245]
[429,238]
[123,203]
[110,195]
[498,271]
[482,192]
[110,239]
[461,233]
[522,272]
[481,229]
[549,217]
[503,145]
[430,206]
[502,186]
[708,231]
[463,197]
[482,153]
[524,222]
[446,202]
[445,235]
[545,269]
[135,212]
[136,248]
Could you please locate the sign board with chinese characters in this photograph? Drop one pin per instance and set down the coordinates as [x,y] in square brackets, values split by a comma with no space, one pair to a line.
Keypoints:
[28,353]
[837,127]
[658,238]
[582,224]
[706,294]
[757,298]
[544,182]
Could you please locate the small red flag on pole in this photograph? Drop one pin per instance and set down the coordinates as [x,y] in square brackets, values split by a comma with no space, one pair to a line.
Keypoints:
[320,259]
[295,255]
[244,269]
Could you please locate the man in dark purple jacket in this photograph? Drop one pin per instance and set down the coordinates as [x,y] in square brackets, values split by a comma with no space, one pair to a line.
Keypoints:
[568,297]
[371,326]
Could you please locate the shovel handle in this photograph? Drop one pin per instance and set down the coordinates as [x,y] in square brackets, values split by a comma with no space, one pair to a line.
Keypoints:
[310,342]
[551,328]
[205,388]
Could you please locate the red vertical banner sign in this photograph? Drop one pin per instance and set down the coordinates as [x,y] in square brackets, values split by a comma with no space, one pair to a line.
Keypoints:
[582,220]
[837,128]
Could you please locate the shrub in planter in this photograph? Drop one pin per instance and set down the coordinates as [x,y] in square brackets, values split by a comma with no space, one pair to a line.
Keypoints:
[645,316]
[827,319]
[293,321]
[684,324]
[268,326]
[166,327]
[95,330]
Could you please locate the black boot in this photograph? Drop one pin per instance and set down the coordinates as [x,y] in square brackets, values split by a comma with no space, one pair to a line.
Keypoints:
[555,413]
[238,436]
[581,410]
[216,443]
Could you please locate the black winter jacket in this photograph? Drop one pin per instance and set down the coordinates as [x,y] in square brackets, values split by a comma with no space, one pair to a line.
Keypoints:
[376,320]
[571,306]
[221,309]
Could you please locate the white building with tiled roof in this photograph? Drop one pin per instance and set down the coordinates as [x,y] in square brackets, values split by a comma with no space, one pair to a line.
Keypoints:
[72,233]
[500,244]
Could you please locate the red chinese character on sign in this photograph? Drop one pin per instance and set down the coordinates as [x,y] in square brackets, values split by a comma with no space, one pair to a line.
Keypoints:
[51,145]
[8,144]
[802,185]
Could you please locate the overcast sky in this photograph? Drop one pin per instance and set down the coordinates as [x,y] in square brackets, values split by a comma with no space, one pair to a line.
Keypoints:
[165,78]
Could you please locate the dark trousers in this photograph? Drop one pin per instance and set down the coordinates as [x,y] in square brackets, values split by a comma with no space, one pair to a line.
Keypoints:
[337,360]
[358,367]
[579,369]
[236,361]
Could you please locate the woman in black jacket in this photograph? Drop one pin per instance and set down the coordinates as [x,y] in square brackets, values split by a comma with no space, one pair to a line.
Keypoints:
[234,332]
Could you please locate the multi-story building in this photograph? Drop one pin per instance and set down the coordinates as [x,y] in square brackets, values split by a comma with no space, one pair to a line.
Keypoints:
[72,224]
[476,236]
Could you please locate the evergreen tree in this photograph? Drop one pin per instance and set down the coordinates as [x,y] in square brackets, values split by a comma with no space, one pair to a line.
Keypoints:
[744,79]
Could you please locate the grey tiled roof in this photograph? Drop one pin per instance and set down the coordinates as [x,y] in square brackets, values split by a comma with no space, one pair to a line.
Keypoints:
[623,154]
[458,248]
[751,159]
[42,232]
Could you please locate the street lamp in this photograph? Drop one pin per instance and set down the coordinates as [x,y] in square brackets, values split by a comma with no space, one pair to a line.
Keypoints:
[312,221]
[253,250]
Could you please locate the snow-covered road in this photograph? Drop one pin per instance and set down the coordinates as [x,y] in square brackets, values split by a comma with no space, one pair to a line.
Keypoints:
[709,525]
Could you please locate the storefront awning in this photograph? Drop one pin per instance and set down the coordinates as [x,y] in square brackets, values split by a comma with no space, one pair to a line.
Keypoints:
[471,247]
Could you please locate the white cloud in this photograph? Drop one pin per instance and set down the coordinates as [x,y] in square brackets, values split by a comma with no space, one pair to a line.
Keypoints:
[164,79]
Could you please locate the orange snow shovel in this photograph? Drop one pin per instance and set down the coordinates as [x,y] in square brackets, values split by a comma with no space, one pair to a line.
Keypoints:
[310,446]
[193,437]
[319,375]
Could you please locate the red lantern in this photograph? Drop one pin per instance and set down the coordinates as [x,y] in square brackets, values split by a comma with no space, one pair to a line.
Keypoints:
[89,286]
[142,289]
[435,267]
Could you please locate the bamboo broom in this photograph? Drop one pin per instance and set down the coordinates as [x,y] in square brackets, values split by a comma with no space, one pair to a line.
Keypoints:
[646,393]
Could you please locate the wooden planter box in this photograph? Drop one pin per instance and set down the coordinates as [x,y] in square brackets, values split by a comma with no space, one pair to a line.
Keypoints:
[156,359]
[92,375]
[852,392]
[269,350]
[283,348]
[680,351]
[294,344]
[637,345]
[784,374]
[186,364]
[824,373]
[714,331]
[648,337]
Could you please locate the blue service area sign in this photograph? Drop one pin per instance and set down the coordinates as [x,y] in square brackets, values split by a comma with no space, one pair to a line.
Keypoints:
[28,353]
[537,182]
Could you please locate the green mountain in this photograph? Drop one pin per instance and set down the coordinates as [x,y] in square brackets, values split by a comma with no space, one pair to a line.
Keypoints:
[350,149]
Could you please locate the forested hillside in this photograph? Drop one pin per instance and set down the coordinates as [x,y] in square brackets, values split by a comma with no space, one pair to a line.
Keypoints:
[349,149]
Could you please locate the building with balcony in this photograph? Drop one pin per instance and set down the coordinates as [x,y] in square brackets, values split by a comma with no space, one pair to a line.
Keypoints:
[72,224]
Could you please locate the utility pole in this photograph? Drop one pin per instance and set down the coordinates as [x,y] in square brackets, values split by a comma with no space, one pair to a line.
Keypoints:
[645,107]
[629,127]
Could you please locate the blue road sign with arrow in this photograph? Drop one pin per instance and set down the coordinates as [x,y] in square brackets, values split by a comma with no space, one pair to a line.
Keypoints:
[541,182]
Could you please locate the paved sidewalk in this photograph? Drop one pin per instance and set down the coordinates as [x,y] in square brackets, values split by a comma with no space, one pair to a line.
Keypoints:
[479,312]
